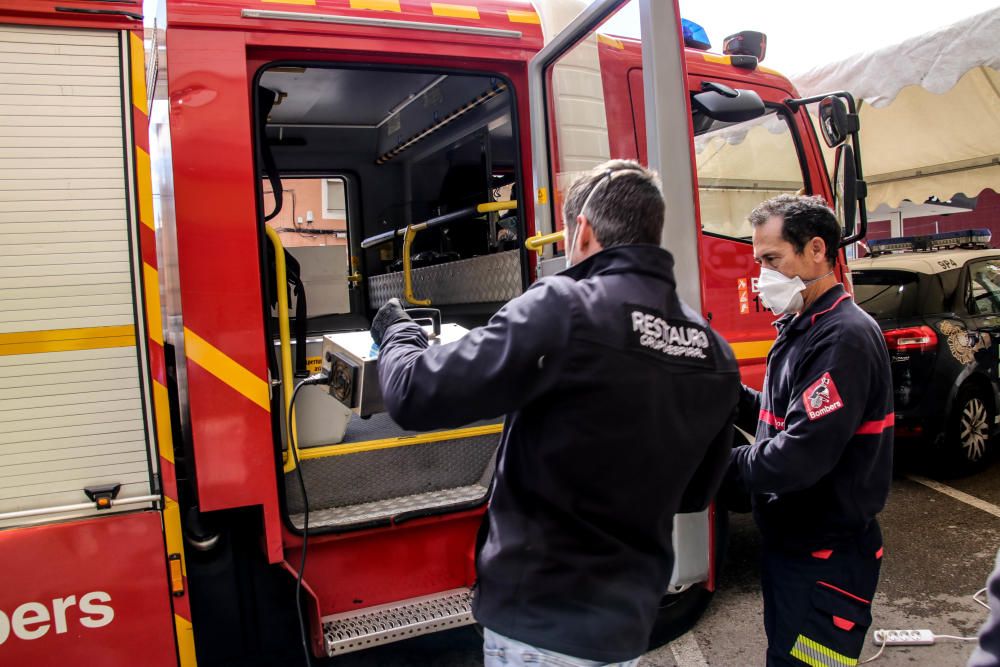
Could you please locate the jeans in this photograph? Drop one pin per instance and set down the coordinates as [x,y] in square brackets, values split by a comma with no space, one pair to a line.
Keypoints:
[500,651]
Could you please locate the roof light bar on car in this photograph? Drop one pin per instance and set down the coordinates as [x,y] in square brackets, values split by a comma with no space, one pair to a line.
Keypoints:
[966,238]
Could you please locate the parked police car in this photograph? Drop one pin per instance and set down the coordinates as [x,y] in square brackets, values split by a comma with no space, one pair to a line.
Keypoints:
[937,300]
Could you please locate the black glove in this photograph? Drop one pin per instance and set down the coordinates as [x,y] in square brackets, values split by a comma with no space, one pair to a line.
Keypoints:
[387,315]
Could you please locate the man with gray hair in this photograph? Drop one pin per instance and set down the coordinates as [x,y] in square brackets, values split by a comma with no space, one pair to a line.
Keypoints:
[619,403]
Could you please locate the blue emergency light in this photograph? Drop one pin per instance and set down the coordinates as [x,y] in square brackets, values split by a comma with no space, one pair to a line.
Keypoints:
[695,36]
[966,238]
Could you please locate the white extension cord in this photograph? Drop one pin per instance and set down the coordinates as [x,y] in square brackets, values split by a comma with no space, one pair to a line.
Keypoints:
[909,637]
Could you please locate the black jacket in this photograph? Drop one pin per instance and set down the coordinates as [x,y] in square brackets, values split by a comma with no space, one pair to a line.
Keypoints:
[821,465]
[619,404]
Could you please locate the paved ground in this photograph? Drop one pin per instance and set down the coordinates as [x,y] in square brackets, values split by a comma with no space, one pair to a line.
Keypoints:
[939,551]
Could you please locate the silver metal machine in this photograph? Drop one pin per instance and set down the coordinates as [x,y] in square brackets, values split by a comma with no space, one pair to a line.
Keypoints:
[351,359]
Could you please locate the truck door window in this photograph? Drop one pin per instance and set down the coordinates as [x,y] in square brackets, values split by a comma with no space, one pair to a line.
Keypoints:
[435,151]
[739,166]
[589,111]
[312,226]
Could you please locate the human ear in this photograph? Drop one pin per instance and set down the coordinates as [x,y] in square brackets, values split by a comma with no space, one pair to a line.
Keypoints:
[818,249]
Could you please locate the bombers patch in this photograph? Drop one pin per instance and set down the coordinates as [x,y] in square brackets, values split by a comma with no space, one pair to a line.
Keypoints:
[821,398]
[671,340]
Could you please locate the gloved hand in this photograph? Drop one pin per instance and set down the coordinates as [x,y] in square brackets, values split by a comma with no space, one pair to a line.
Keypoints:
[387,315]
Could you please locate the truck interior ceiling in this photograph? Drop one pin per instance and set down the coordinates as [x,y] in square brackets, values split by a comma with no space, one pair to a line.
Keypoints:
[369,174]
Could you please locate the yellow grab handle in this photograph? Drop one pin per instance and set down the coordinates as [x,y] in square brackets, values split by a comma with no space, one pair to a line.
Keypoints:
[408,237]
[496,206]
[539,241]
[285,337]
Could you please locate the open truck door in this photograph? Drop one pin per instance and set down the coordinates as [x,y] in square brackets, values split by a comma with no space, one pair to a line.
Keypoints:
[571,126]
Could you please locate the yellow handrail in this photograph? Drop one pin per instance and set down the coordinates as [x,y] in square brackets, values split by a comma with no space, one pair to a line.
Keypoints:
[493,206]
[284,334]
[411,232]
[539,241]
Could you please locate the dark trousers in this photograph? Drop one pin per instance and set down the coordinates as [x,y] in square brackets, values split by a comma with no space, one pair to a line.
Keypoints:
[817,606]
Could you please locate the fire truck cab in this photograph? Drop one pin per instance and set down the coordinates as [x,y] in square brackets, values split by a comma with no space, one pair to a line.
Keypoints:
[312,159]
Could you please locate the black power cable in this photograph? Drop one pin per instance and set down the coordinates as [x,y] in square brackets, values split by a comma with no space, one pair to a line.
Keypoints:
[322,377]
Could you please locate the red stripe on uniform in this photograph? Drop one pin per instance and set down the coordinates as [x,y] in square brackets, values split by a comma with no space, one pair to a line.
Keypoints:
[823,554]
[877,426]
[824,312]
[772,419]
[843,592]
[878,554]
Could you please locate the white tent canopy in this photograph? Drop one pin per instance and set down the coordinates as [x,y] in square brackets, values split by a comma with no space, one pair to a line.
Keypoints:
[930,115]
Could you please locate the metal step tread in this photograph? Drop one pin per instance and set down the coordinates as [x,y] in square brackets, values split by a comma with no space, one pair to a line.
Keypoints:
[389,507]
[352,631]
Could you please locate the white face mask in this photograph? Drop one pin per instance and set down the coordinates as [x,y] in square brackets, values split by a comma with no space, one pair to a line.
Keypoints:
[572,243]
[783,295]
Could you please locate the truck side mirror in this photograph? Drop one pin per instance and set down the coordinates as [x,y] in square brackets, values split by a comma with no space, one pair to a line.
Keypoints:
[848,191]
[727,105]
[835,122]
[746,43]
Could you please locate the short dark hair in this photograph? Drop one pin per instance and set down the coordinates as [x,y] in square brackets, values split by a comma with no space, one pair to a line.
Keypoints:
[627,206]
[804,217]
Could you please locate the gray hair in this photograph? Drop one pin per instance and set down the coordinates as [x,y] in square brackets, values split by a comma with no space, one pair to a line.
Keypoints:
[621,200]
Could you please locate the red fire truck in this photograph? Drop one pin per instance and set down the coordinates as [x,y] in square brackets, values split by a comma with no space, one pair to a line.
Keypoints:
[311,159]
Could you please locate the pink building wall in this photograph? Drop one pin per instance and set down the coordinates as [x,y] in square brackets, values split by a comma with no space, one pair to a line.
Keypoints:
[986,215]
[302,195]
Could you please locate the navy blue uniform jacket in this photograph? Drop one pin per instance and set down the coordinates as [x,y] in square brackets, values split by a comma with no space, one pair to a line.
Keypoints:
[820,468]
[619,405]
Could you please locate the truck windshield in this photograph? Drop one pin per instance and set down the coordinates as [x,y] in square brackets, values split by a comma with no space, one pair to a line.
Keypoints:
[742,164]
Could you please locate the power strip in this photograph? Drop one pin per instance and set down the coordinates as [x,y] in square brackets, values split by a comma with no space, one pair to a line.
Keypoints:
[903,637]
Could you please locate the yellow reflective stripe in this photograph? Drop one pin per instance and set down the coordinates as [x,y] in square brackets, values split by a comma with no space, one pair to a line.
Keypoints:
[454,11]
[612,42]
[377,5]
[522,16]
[713,58]
[172,530]
[754,349]
[804,657]
[138,62]
[389,443]
[151,278]
[218,364]
[145,185]
[185,642]
[814,653]
[164,435]
[65,340]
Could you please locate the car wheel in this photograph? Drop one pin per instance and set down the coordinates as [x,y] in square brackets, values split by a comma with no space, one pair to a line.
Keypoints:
[680,610]
[967,445]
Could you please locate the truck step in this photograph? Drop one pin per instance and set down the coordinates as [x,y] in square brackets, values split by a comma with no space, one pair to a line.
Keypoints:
[390,507]
[356,630]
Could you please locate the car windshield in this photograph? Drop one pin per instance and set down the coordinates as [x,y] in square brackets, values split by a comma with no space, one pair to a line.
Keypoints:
[886,294]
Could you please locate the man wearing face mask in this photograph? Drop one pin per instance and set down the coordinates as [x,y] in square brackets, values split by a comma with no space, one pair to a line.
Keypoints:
[599,370]
[820,468]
